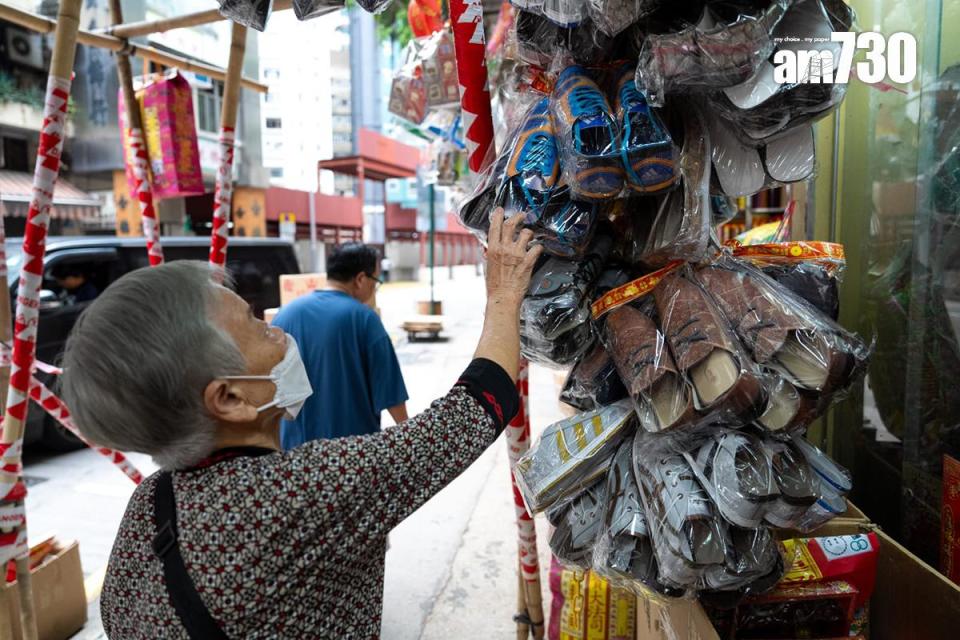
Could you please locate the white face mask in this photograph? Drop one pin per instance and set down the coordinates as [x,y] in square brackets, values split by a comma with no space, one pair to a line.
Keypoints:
[290,378]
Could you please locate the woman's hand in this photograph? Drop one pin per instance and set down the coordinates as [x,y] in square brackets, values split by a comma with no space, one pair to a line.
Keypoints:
[510,261]
[510,258]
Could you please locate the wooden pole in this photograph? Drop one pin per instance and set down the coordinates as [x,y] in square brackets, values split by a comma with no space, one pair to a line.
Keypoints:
[136,151]
[147,27]
[523,629]
[41,24]
[223,196]
[12,488]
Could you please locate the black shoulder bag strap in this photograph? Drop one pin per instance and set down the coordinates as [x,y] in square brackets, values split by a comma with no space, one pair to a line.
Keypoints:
[194,615]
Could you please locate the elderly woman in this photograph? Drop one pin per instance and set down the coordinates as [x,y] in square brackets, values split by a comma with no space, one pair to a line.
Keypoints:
[235,538]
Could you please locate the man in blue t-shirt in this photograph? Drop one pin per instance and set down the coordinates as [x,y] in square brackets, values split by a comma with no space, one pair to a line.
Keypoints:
[348,355]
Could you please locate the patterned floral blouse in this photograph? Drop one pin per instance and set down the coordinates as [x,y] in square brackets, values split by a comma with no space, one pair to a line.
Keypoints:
[291,544]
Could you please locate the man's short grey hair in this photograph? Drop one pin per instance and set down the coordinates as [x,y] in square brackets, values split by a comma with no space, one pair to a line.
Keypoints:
[139,358]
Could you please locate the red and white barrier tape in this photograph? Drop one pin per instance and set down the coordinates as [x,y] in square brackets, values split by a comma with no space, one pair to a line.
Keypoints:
[54,406]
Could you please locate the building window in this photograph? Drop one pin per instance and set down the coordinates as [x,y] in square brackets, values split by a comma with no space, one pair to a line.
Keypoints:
[270,97]
[270,73]
[274,123]
[276,172]
[208,109]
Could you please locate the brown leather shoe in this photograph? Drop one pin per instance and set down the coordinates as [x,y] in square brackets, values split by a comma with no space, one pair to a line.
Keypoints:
[705,349]
[780,331]
[638,349]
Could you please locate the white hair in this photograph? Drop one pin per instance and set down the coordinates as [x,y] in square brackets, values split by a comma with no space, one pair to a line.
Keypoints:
[139,358]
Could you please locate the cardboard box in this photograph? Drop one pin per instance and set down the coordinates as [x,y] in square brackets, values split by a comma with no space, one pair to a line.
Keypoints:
[292,286]
[911,600]
[58,597]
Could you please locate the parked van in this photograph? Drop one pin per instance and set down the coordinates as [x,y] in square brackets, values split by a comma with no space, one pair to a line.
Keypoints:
[255,263]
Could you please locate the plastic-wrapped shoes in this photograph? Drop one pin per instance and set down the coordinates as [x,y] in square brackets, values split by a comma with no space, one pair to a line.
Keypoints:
[580,525]
[796,481]
[688,537]
[566,226]
[557,300]
[593,382]
[649,155]
[523,178]
[661,396]
[705,349]
[572,454]
[587,135]
[735,471]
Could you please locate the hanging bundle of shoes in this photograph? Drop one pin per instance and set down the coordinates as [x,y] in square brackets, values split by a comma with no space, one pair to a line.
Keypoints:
[697,367]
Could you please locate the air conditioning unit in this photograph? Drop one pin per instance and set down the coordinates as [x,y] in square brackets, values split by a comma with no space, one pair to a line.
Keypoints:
[25,48]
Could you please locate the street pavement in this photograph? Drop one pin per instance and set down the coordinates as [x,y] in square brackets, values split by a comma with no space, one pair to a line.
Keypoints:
[451,566]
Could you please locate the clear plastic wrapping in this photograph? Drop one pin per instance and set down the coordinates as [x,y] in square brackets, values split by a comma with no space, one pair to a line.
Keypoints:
[587,134]
[689,537]
[524,175]
[308,9]
[623,551]
[614,16]
[760,107]
[735,471]
[722,377]
[723,46]
[578,525]
[572,454]
[556,308]
[408,98]
[649,156]
[676,226]
[250,13]
[783,332]
[593,382]
[833,484]
[742,169]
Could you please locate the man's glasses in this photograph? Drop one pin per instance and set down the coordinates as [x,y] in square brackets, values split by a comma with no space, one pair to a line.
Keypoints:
[373,277]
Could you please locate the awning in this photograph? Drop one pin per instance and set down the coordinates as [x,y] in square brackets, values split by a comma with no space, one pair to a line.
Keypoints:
[69,202]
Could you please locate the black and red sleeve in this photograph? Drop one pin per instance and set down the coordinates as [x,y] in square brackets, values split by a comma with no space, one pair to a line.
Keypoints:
[493,388]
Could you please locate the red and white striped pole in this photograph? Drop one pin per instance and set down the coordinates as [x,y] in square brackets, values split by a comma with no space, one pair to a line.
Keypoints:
[518,442]
[223,194]
[466,17]
[52,134]
[136,151]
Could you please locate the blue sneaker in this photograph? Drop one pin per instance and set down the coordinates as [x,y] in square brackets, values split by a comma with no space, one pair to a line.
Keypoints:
[588,137]
[534,164]
[648,152]
[523,176]
[567,226]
